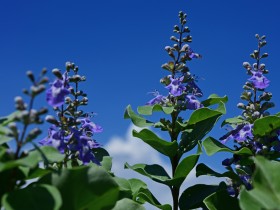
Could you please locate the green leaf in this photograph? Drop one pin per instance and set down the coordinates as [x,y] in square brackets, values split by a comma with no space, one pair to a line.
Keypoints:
[103,157]
[33,158]
[148,110]
[43,197]
[200,123]
[184,168]
[167,148]
[234,120]
[3,135]
[213,146]
[128,204]
[10,118]
[266,191]
[135,118]
[193,196]
[266,125]
[202,169]
[154,172]
[221,200]
[214,99]
[84,188]
[142,194]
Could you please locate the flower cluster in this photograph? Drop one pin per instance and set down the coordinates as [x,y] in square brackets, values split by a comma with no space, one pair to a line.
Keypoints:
[242,127]
[183,91]
[72,132]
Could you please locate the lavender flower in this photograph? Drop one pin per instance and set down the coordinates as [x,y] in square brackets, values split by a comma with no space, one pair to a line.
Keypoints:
[158,99]
[89,126]
[258,80]
[240,133]
[192,102]
[176,87]
[58,90]
[192,86]
[56,139]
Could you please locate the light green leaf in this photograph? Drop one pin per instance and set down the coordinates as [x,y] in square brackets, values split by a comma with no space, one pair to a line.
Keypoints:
[266,191]
[128,204]
[148,110]
[214,99]
[135,118]
[167,148]
[234,120]
[266,125]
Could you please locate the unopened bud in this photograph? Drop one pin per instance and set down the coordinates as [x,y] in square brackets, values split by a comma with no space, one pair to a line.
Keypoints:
[30,76]
[51,119]
[241,106]
[57,73]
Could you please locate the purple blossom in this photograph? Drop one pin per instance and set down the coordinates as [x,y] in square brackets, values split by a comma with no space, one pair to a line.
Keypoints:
[58,90]
[158,99]
[259,81]
[89,126]
[192,103]
[83,145]
[55,139]
[240,133]
[246,180]
[176,88]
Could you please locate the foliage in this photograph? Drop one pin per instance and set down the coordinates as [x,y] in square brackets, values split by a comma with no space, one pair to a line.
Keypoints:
[68,169]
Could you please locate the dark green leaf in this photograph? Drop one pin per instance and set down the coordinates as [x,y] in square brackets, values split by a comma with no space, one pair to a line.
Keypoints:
[266,125]
[84,188]
[213,146]
[200,123]
[202,169]
[148,110]
[136,119]
[155,172]
[167,148]
[266,191]
[193,196]
[43,197]
[221,200]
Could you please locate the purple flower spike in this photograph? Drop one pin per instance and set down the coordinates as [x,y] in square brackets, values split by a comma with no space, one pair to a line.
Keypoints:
[195,89]
[244,133]
[176,87]
[192,102]
[259,81]
[57,92]
[90,126]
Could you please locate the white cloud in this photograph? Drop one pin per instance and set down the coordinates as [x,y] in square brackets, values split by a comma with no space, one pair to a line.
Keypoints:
[133,150]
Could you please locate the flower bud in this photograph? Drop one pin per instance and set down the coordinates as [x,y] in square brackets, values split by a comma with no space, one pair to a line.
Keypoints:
[57,73]
[51,119]
[241,106]
[30,75]
[173,38]
[262,66]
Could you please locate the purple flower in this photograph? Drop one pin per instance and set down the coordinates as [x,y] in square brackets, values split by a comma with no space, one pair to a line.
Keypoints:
[84,145]
[56,139]
[89,126]
[58,90]
[240,133]
[176,87]
[259,81]
[158,99]
[246,180]
[192,102]
[244,133]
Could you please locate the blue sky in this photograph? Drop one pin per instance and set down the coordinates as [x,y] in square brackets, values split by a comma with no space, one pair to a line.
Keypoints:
[119,46]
